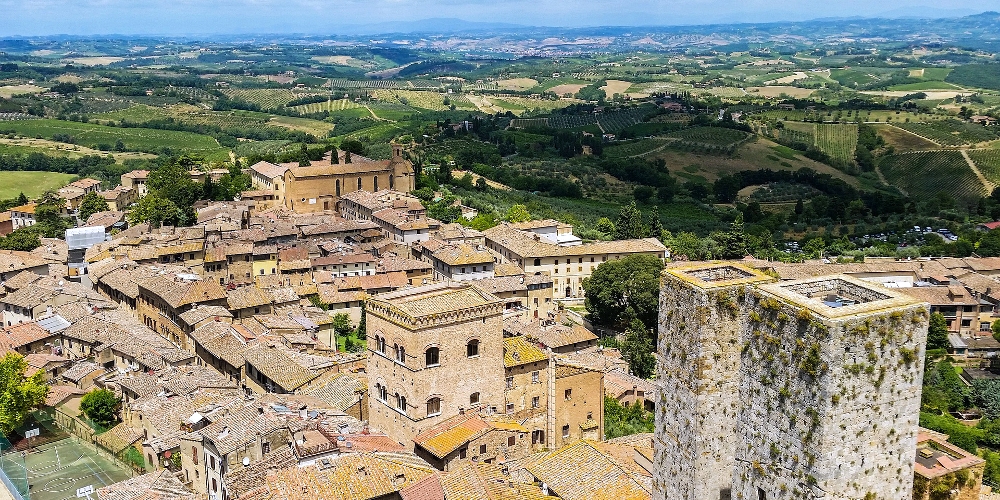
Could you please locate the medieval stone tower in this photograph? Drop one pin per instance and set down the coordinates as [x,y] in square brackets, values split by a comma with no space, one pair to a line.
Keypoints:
[827,374]
[701,317]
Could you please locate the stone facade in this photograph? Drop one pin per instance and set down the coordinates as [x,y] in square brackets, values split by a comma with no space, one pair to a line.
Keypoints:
[803,389]
[830,391]
[402,327]
[701,310]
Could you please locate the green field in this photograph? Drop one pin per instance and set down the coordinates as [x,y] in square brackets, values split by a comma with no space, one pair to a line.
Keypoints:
[988,161]
[331,106]
[713,136]
[91,135]
[837,140]
[950,132]
[32,184]
[634,148]
[924,175]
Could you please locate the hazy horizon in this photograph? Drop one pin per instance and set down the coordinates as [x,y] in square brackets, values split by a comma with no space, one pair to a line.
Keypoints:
[192,17]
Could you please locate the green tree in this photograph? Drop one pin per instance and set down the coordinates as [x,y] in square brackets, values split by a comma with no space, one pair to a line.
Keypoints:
[996,330]
[629,224]
[101,406]
[637,349]
[655,225]
[172,181]
[49,220]
[616,286]
[937,332]
[18,394]
[605,226]
[24,239]
[989,244]
[517,213]
[342,328]
[362,330]
[814,248]
[154,211]
[624,420]
[986,394]
[91,204]
[22,199]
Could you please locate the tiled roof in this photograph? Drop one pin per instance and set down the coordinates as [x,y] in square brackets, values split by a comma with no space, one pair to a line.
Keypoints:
[428,488]
[524,244]
[119,437]
[339,390]
[269,170]
[616,382]
[352,476]
[554,335]
[276,364]
[198,314]
[107,218]
[390,264]
[435,299]
[520,351]
[80,370]
[247,296]
[22,335]
[181,293]
[13,260]
[451,434]
[462,254]
[581,472]
[248,479]
[137,174]
[480,481]
[160,485]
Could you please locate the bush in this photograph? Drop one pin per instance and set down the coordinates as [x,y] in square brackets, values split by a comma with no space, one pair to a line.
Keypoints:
[101,406]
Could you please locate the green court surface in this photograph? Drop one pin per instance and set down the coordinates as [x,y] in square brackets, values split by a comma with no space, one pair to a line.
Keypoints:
[57,470]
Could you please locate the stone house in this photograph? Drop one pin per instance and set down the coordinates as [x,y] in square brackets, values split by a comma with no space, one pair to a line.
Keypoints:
[469,436]
[942,465]
[136,180]
[164,298]
[434,351]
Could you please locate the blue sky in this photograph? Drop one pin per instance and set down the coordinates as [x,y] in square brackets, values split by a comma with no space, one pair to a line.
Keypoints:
[41,17]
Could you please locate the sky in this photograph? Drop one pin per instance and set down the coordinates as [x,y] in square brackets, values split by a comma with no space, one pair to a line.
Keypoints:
[83,17]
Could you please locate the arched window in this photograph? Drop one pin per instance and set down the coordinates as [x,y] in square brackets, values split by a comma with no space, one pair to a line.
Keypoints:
[433,407]
[432,356]
[338,187]
[359,183]
[474,398]
[400,353]
[374,183]
[383,393]
[472,348]
[392,181]
[400,402]
[380,344]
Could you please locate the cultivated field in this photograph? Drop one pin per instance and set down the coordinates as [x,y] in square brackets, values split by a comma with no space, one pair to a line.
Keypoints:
[950,132]
[613,87]
[331,106]
[779,90]
[53,148]
[988,162]
[924,175]
[903,141]
[91,135]
[32,184]
[314,127]
[11,90]
[517,83]
[271,98]
[567,88]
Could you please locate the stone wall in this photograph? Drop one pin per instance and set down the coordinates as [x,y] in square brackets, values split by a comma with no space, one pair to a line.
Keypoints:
[829,405]
[699,367]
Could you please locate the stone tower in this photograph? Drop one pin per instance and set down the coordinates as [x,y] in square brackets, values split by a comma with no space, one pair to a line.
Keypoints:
[701,316]
[829,391]
[434,351]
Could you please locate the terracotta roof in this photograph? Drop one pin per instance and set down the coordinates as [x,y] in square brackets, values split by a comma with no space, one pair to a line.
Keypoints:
[428,488]
[160,485]
[247,296]
[181,293]
[85,183]
[554,335]
[468,480]
[462,254]
[27,208]
[80,370]
[352,476]
[13,260]
[22,335]
[107,218]
[617,382]
[269,170]
[119,437]
[527,246]
[435,299]
[200,313]
[581,472]
[940,295]
[340,259]
[520,351]
[137,174]
[276,364]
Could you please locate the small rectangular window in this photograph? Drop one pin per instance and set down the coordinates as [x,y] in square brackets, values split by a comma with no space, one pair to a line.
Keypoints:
[534,375]
[568,394]
[534,402]
[510,383]
[482,449]
[565,431]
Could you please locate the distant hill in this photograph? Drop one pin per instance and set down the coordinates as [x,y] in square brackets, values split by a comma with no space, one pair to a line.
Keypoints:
[433,25]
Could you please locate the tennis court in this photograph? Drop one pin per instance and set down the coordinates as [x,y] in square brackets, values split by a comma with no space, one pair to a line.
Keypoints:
[57,470]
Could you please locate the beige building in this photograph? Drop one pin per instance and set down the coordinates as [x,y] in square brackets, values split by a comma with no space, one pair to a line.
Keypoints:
[136,179]
[434,351]
[400,217]
[565,259]
[120,198]
[320,185]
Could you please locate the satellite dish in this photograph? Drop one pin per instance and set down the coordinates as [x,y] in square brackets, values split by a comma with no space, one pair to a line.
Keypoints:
[246,461]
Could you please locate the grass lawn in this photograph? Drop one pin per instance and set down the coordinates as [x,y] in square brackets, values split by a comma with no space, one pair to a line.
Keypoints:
[90,135]
[32,184]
